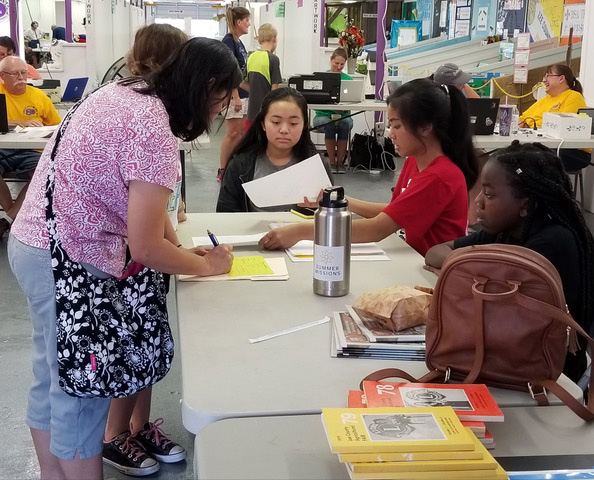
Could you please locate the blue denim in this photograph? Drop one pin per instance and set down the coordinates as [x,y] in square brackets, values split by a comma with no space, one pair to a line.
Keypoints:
[76,425]
[339,128]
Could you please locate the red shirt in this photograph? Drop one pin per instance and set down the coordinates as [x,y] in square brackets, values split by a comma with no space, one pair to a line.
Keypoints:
[431,206]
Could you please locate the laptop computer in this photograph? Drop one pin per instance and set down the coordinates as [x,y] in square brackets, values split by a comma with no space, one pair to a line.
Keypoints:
[352,90]
[590,113]
[75,89]
[483,114]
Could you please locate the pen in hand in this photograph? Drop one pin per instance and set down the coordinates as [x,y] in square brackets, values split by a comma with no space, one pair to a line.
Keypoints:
[213,239]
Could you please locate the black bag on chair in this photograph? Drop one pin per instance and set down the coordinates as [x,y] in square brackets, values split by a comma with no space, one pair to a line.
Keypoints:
[368,153]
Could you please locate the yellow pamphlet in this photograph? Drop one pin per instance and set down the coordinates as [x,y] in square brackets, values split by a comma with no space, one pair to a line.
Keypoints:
[497,474]
[394,429]
[248,268]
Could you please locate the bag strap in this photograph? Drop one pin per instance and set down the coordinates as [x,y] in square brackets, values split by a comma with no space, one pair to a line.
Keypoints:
[397,373]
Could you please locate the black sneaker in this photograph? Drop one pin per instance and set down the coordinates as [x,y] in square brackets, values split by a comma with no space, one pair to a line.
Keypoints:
[126,454]
[158,445]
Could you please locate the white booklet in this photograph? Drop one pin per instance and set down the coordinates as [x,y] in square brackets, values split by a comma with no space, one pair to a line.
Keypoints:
[290,185]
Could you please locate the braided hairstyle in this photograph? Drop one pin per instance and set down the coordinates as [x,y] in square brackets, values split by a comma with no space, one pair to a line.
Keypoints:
[533,171]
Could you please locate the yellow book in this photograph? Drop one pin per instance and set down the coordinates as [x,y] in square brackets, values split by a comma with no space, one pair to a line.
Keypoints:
[409,457]
[394,429]
[486,463]
[497,474]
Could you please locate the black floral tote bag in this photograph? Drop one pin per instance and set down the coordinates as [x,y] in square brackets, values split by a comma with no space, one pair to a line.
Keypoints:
[113,335]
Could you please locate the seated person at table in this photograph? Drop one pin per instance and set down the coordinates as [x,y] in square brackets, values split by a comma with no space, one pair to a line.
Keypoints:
[564,94]
[8,48]
[526,200]
[336,133]
[28,107]
[429,125]
[452,74]
[277,138]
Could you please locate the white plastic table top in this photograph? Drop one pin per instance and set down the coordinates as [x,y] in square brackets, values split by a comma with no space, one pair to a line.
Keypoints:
[23,141]
[494,141]
[290,447]
[223,375]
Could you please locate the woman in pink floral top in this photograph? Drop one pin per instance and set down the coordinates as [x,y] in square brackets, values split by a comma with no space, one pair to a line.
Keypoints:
[116,166]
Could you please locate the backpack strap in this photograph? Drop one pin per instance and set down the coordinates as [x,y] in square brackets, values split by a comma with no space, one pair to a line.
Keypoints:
[379,375]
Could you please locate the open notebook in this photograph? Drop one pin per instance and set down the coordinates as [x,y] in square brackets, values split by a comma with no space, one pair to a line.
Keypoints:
[254,268]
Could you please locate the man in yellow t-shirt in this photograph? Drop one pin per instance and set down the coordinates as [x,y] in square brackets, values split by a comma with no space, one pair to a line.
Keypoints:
[28,107]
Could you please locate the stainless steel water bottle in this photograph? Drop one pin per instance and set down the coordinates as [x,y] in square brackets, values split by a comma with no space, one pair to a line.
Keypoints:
[332,244]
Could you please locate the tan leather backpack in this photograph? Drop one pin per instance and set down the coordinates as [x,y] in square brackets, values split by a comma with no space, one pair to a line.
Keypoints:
[498,316]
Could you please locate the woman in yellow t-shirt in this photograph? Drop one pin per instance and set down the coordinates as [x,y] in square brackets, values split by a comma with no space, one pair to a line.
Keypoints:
[564,94]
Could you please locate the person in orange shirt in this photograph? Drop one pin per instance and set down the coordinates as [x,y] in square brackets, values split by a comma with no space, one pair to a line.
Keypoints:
[8,48]
[564,94]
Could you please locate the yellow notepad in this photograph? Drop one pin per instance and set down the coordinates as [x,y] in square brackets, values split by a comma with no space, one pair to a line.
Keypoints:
[248,268]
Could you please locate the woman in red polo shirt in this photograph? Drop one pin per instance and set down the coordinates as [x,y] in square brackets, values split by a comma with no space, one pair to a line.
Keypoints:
[429,126]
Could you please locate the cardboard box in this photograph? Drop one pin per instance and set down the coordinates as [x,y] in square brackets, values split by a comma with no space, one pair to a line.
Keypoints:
[566,125]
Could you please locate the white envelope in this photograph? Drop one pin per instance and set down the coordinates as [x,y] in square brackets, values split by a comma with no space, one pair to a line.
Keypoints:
[290,185]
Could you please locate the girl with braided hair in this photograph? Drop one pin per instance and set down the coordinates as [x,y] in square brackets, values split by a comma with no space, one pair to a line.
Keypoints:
[526,199]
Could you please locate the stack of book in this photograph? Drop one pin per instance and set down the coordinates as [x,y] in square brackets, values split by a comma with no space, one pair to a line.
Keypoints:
[407,443]
[357,336]
[473,404]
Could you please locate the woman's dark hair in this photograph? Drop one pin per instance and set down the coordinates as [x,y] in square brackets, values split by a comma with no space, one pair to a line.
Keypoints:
[8,43]
[152,46]
[564,70]
[255,140]
[534,172]
[187,82]
[422,102]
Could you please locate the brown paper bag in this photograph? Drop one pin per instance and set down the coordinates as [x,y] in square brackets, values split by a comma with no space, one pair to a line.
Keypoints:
[397,307]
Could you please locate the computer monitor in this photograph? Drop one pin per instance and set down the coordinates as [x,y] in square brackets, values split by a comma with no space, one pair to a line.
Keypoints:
[483,114]
[3,114]
[590,113]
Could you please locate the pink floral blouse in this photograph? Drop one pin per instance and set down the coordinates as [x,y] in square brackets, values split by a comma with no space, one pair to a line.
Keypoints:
[116,135]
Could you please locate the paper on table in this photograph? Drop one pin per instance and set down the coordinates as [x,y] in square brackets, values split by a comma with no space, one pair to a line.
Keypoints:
[250,266]
[277,265]
[235,240]
[37,132]
[290,185]
[305,248]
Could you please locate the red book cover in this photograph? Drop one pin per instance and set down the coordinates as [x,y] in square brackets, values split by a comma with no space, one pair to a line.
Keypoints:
[478,428]
[356,399]
[470,402]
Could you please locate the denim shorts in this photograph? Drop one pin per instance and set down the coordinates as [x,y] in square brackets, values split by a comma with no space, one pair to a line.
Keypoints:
[21,163]
[76,425]
[337,130]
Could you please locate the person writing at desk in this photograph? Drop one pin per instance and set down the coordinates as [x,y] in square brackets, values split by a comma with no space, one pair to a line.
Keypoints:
[564,94]
[28,107]
[429,125]
[336,133]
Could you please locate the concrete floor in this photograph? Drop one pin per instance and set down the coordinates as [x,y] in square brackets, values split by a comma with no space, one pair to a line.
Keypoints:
[17,455]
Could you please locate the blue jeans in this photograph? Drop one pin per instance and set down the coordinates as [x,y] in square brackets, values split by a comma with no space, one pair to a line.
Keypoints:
[75,424]
[339,128]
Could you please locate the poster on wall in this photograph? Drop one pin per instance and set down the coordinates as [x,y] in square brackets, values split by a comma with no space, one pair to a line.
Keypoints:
[511,19]
[573,17]
[544,19]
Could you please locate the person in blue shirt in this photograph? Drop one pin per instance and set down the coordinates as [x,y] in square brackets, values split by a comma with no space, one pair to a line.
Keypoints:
[238,23]
[58,33]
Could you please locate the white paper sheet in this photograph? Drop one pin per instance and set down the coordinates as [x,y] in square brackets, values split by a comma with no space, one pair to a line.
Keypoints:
[235,240]
[37,132]
[290,185]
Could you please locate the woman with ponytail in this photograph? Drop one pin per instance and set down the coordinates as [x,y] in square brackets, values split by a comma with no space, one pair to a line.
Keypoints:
[429,125]
[564,94]
[238,23]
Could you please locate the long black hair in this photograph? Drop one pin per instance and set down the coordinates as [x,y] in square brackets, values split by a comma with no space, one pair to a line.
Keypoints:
[422,102]
[533,171]
[187,82]
[255,140]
